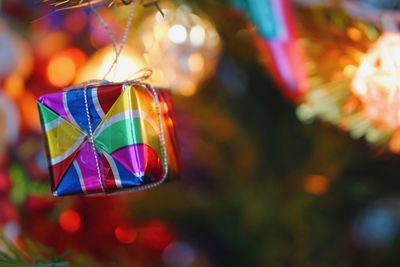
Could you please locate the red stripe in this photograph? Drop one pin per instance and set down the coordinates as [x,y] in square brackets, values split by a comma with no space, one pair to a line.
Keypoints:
[58,171]
[108,95]
[109,182]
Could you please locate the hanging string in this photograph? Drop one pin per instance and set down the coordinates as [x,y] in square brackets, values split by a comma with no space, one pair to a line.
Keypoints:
[117,50]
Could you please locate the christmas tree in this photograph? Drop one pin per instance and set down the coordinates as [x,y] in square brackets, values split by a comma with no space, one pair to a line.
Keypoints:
[286,160]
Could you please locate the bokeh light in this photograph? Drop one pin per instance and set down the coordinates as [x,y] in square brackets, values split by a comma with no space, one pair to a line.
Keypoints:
[125,234]
[9,122]
[14,86]
[48,44]
[99,65]
[61,70]
[177,34]
[377,81]
[182,48]
[316,184]
[70,221]
[179,254]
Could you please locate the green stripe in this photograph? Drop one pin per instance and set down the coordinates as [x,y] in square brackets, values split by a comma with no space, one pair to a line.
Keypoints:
[46,114]
[120,134]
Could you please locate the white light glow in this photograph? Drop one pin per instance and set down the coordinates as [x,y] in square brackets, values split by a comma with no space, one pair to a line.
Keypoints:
[177,34]
[197,35]
[377,81]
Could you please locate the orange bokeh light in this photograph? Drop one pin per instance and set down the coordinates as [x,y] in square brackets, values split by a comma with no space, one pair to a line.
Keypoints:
[125,234]
[29,115]
[14,86]
[316,184]
[61,70]
[70,221]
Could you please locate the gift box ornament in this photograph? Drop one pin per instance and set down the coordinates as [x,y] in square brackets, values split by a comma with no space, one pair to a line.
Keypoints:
[109,138]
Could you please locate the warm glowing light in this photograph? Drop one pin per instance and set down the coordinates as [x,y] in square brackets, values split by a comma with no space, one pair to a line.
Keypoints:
[394,143]
[182,48]
[316,184]
[70,221]
[99,65]
[196,62]
[354,34]
[349,70]
[52,43]
[61,70]
[29,115]
[188,90]
[14,86]
[197,35]
[125,234]
[377,81]
[156,234]
[177,34]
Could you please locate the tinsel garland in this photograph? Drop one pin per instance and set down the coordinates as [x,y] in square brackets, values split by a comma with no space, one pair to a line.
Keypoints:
[336,44]
[72,4]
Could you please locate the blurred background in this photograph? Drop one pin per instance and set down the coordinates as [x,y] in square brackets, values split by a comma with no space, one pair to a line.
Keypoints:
[288,118]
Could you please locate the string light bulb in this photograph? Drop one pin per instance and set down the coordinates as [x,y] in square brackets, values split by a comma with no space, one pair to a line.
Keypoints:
[176,47]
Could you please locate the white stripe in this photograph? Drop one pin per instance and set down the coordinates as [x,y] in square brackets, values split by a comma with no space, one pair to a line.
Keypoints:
[53,124]
[97,103]
[123,116]
[78,170]
[69,152]
[65,103]
[114,169]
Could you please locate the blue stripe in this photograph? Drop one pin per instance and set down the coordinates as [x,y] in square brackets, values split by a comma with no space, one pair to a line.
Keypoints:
[77,108]
[70,184]
[95,118]
[127,178]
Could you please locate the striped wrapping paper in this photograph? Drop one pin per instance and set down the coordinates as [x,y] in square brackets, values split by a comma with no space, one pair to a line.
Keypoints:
[107,139]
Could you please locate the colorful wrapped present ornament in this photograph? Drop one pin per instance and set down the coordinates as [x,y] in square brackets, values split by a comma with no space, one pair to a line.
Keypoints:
[109,138]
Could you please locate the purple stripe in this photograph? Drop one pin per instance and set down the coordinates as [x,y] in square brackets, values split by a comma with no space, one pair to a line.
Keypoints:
[55,103]
[132,158]
[87,164]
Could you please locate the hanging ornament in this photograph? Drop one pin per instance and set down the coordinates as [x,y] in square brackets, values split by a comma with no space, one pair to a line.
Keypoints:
[278,42]
[181,47]
[108,137]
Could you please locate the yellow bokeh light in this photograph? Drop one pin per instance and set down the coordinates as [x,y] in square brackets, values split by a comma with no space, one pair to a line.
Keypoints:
[196,62]
[100,63]
[182,48]
[61,70]
[354,34]
[188,90]
[349,70]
